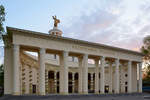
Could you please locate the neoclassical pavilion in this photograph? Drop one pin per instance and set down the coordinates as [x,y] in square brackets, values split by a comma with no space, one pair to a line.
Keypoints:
[40,63]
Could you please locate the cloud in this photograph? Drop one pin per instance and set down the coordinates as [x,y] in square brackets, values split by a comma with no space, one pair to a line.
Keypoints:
[118,24]
[89,25]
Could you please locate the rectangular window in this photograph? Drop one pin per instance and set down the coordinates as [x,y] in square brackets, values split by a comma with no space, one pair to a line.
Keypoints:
[73,59]
[55,56]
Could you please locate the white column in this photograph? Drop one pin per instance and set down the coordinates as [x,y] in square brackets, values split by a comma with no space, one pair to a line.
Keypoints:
[92,82]
[46,80]
[102,80]
[16,65]
[73,82]
[80,76]
[64,73]
[117,76]
[110,80]
[122,83]
[129,77]
[55,81]
[140,77]
[27,85]
[96,76]
[85,74]
[42,71]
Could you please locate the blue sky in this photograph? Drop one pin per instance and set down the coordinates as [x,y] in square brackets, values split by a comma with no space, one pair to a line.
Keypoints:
[120,23]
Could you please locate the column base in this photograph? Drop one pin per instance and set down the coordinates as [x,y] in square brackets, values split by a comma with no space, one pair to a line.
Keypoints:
[80,92]
[97,92]
[116,92]
[63,93]
[129,92]
[102,92]
[16,93]
[84,92]
[42,93]
[140,91]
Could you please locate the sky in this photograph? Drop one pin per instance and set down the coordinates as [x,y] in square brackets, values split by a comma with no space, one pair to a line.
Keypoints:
[119,23]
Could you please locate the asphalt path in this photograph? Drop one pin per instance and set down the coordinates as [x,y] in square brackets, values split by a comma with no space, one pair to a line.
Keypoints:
[136,96]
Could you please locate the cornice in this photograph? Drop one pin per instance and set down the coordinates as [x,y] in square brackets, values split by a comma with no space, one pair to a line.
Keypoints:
[77,41]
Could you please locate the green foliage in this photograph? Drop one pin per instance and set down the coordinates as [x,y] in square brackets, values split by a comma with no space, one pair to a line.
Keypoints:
[1,79]
[146,50]
[2,19]
[2,75]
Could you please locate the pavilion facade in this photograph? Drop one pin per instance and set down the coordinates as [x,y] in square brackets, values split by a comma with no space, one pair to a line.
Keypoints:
[62,66]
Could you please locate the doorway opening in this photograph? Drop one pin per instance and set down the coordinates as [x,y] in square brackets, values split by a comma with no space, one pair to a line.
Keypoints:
[33,89]
[106,88]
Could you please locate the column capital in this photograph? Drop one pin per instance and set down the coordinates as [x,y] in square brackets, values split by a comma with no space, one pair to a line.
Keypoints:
[65,51]
[16,46]
[129,63]
[55,72]
[91,73]
[97,58]
[102,57]
[85,54]
[117,59]
[129,60]
[42,49]
[97,64]
[140,64]
[73,72]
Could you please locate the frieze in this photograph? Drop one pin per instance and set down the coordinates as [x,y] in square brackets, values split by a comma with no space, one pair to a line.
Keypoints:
[100,51]
[84,48]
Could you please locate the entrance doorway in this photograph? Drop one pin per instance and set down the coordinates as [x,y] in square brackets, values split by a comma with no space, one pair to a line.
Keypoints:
[106,89]
[126,89]
[70,82]
[33,89]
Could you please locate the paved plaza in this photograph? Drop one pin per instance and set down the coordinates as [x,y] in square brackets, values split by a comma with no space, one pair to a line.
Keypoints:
[81,97]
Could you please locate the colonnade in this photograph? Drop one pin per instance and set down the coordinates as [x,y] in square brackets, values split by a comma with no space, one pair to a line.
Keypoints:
[82,72]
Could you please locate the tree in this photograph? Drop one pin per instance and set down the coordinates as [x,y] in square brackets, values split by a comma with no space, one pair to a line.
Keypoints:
[1,79]
[2,75]
[2,19]
[146,50]
[2,31]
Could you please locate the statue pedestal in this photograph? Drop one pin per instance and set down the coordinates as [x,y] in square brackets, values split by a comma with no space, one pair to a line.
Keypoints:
[55,31]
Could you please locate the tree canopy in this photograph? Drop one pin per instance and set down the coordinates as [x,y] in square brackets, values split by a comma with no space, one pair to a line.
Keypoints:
[1,75]
[146,50]
[2,19]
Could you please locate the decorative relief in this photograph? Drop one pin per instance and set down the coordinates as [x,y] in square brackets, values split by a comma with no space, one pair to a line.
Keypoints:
[77,47]
[106,52]
[84,48]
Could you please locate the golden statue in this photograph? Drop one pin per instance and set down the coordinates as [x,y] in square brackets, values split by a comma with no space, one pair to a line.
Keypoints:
[56,21]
